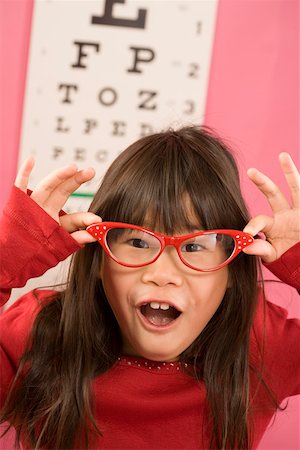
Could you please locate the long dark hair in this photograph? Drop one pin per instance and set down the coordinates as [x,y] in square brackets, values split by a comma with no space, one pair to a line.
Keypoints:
[50,403]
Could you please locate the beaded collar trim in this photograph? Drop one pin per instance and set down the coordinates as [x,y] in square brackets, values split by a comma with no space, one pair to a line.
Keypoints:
[153,366]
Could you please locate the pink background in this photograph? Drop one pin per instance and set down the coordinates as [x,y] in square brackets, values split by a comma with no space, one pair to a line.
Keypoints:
[253,101]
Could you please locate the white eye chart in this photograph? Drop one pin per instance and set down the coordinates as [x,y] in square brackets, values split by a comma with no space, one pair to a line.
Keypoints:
[102,74]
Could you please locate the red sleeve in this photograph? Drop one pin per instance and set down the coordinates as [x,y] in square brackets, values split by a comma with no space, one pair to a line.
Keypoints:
[31,243]
[277,337]
[287,267]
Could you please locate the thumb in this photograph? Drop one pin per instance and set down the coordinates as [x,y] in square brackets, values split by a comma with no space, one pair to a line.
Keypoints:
[78,221]
[260,247]
[83,237]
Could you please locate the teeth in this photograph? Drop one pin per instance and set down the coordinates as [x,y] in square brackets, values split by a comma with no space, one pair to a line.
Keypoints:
[156,305]
[164,306]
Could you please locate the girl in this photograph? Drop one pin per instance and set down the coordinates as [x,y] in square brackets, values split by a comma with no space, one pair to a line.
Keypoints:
[162,337]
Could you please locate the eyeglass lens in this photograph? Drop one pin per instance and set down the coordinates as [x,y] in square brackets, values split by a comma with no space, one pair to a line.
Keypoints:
[135,247]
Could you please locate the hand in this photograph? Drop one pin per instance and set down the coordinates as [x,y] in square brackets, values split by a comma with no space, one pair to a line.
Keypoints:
[52,193]
[282,229]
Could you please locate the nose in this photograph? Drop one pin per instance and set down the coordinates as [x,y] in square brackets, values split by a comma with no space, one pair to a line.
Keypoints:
[165,270]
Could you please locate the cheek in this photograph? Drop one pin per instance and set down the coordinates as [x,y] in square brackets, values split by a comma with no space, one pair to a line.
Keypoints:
[116,284]
[211,291]
[219,285]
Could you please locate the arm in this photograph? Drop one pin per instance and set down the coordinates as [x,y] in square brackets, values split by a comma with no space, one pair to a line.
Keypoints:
[287,267]
[274,335]
[280,249]
[33,236]
[31,242]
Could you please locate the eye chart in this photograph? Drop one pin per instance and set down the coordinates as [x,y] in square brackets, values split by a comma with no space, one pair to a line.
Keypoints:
[102,74]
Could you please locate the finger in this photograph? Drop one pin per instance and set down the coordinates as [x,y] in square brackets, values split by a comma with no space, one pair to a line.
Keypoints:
[22,177]
[46,187]
[263,249]
[59,196]
[76,221]
[292,177]
[275,197]
[259,224]
[83,237]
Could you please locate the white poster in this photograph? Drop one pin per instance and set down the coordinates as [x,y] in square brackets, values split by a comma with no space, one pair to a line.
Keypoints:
[103,73]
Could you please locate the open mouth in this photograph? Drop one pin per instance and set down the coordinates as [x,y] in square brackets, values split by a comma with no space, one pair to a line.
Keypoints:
[159,314]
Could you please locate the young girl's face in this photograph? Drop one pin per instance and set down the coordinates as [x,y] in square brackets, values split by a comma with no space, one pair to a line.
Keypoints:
[161,308]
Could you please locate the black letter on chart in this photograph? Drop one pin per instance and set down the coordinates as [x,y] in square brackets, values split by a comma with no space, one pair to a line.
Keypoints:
[119,128]
[80,154]
[108,19]
[60,126]
[68,87]
[101,156]
[194,70]
[146,129]
[81,54]
[56,152]
[147,96]
[190,107]
[138,57]
[90,124]
[108,96]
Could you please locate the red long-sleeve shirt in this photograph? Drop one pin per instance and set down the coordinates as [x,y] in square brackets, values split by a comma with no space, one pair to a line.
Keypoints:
[140,404]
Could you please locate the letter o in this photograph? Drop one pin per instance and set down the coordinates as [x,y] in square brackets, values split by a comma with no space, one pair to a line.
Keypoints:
[101,156]
[108,96]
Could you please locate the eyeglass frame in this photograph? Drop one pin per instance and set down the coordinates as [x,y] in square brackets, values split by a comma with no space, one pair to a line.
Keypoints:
[99,231]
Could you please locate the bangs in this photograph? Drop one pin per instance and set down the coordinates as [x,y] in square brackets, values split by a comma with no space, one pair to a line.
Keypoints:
[165,183]
[156,197]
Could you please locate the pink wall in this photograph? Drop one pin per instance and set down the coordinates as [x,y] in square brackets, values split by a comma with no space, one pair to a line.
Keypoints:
[252,101]
[253,96]
[14,34]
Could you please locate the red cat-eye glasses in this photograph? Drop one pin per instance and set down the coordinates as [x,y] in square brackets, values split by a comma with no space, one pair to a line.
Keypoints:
[135,246]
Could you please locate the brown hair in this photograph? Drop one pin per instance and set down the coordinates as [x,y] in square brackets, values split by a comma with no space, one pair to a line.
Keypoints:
[50,402]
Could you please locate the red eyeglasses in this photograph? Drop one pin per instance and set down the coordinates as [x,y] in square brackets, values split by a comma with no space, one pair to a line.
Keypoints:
[134,246]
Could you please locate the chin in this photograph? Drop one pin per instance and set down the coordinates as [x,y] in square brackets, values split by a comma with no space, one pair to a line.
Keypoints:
[158,350]
[158,356]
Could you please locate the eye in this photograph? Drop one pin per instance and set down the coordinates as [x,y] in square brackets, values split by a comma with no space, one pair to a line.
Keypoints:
[138,243]
[192,247]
